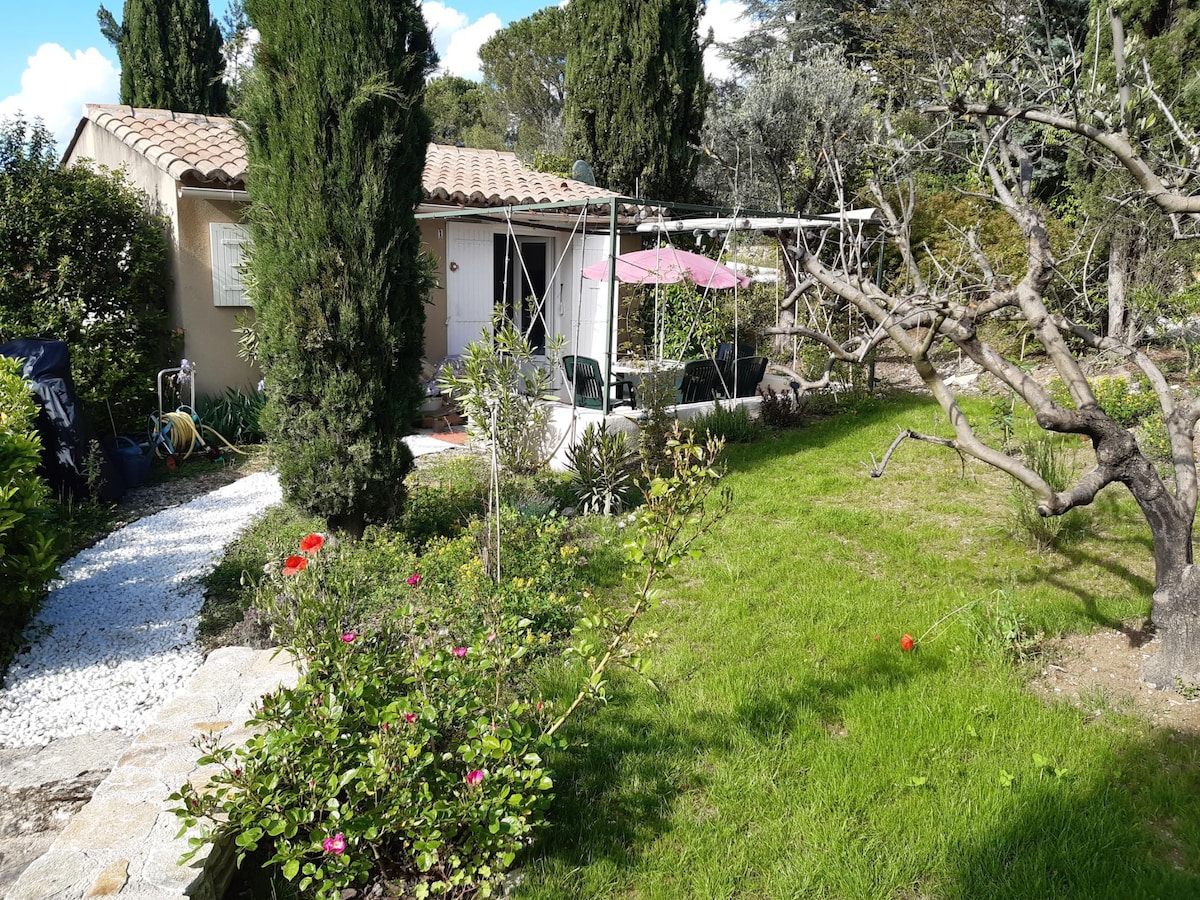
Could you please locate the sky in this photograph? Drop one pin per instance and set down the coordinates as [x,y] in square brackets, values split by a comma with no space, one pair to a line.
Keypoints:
[53,58]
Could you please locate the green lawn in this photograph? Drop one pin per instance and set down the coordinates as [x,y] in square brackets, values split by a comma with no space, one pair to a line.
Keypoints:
[784,751]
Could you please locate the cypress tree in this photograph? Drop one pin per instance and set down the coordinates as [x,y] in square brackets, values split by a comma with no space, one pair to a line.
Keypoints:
[636,93]
[170,53]
[337,134]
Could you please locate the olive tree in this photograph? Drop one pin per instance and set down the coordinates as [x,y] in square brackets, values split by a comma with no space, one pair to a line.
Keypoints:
[1006,117]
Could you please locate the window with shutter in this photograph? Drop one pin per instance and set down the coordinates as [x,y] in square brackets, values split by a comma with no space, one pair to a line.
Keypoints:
[228,243]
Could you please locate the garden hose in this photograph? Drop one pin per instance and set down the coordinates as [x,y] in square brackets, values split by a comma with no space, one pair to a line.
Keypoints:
[224,441]
[181,431]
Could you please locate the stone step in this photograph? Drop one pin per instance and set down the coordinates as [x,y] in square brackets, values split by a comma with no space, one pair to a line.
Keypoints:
[122,843]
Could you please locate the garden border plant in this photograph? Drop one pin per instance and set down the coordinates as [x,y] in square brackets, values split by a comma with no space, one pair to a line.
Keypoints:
[412,747]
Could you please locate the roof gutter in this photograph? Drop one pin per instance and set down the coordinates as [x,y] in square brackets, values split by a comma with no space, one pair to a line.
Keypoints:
[215,194]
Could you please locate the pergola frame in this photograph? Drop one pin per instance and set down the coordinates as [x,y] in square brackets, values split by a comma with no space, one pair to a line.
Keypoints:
[629,215]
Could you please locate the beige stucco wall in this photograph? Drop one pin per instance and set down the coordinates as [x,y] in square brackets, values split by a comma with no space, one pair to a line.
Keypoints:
[105,149]
[208,336]
[433,240]
[209,341]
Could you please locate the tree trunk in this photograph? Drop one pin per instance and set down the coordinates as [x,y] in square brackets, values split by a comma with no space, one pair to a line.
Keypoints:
[1175,609]
[1176,617]
[1118,276]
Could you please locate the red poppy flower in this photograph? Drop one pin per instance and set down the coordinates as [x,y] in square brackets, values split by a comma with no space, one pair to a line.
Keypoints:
[294,564]
[907,643]
[312,543]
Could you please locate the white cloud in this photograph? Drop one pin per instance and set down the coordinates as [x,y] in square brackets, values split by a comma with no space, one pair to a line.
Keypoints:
[462,54]
[457,38]
[56,84]
[728,20]
[443,21]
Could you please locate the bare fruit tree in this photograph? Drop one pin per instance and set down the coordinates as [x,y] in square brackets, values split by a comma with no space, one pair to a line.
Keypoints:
[921,309]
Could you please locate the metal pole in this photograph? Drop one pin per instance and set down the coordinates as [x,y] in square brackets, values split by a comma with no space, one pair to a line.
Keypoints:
[612,300]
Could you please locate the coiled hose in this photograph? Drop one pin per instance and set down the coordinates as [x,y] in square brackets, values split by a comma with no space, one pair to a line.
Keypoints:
[182,429]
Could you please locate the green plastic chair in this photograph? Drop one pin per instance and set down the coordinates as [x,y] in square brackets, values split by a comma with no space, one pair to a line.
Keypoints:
[584,373]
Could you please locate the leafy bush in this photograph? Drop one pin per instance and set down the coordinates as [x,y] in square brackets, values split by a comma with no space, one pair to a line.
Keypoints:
[1126,401]
[27,557]
[410,752]
[501,389]
[444,498]
[234,415]
[538,561]
[83,261]
[731,424]
[603,470]
[779,411]
[656,391]
[399,751]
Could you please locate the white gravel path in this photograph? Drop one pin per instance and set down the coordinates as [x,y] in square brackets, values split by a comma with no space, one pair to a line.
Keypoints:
[114,639]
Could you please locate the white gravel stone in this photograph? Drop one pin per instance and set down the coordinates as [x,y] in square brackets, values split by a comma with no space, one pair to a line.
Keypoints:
[114,639]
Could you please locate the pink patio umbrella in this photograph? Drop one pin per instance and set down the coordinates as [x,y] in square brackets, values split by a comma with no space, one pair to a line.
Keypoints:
[666,265]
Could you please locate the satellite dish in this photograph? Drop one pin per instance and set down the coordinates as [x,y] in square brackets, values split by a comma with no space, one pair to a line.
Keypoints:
[581,171]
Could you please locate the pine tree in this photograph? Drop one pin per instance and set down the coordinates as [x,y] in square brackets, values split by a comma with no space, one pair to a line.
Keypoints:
[636,93]
[170,53]
[337,134]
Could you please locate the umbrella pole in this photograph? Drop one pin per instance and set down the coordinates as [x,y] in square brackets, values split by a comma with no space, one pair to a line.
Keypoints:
[612,300]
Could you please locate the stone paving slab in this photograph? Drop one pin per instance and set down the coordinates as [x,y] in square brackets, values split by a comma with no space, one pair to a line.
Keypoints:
[122,843]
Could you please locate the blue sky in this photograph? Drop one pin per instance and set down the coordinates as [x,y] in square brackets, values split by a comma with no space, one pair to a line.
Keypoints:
[53,58]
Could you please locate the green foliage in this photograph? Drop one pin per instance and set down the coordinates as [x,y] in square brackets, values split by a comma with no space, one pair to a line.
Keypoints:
[771,137]
[336,136]
[462,112]
[1126,401]
[681,505]
[1004,630]
[397,748]
[501,390]
[444,498]
[170,52]
[731,424]
[27,547]
[82,261]
[1046,455]
[656,392]
[525,64]
[541,572]
[635,93]
[603,470]
[691,322]
[235,415]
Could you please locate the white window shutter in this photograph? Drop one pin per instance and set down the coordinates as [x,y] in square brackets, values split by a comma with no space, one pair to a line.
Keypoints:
[228,243]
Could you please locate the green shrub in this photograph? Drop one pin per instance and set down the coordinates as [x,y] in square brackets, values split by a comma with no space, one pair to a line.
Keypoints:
[603,470]
[730,424]
[83,261]
[656,392]
[1126,401]
[27,551]
[501,390]
[234,415]
[539,563]
[398,749]
[444,497]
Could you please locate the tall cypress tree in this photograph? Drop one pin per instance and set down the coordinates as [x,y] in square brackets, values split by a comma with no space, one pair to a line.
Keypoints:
[337,135]
[636,93]
[170,53]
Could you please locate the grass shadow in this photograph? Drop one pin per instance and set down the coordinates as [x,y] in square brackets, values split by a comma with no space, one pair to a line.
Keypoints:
[1082,842]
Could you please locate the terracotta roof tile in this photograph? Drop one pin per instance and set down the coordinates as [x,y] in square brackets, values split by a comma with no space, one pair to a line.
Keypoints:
[209,150]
